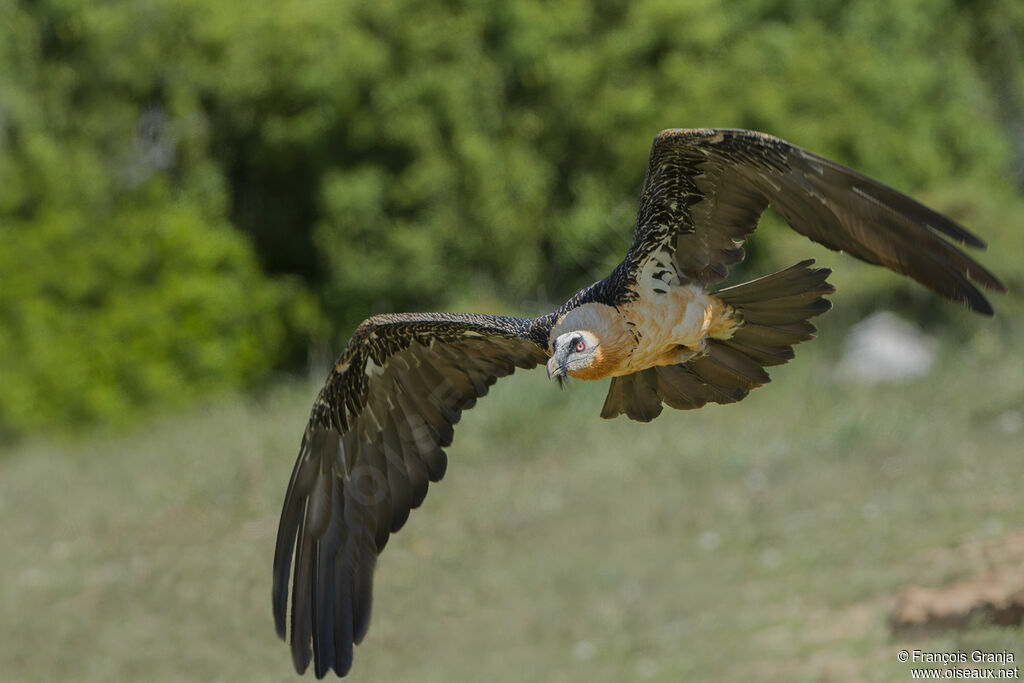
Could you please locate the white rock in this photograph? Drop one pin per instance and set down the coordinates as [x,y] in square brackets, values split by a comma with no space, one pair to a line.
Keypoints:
[886,348]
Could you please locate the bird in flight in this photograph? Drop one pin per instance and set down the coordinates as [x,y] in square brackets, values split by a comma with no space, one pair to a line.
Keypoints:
[656,326]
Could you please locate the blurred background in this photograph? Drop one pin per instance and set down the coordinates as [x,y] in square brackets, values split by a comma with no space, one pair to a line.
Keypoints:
[199,202]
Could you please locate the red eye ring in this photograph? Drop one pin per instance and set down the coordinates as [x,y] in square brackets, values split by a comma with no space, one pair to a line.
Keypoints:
[580,345]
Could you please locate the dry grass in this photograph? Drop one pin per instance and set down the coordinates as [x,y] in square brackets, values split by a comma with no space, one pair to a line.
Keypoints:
[761,541]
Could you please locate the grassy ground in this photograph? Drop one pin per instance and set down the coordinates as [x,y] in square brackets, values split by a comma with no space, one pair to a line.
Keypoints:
[760,541]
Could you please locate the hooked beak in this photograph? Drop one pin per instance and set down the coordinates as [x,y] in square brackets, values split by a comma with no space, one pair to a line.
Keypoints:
[555,367]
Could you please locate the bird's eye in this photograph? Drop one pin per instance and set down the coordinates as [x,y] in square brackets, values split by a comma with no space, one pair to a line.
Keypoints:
[580,345]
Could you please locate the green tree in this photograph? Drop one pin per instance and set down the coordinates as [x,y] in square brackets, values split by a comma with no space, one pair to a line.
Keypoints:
[122,282]
[179,179]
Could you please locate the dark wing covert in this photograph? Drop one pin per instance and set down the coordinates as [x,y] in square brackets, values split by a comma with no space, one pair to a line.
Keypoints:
[705,191]
[373,442]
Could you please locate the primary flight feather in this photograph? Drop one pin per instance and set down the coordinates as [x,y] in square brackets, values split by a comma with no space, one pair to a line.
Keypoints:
[378,428]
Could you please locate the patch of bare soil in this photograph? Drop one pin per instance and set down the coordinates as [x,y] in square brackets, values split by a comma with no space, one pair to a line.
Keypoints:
[991,594]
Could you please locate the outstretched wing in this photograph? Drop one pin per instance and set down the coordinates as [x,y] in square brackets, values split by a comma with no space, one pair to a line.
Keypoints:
[373,443]
[705,191]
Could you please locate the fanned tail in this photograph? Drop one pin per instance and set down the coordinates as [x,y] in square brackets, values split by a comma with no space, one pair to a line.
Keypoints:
[775,312]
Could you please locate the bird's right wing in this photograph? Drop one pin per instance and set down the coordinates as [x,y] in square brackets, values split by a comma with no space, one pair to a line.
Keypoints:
[705,191]
[372,444]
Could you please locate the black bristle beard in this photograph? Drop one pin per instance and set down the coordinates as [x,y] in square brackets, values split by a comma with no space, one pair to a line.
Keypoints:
[562,381]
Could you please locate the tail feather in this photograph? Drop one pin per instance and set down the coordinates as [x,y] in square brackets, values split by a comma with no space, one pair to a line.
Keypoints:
[763,354]
[774,335]
[799,280]
[737,366]
[780,316]
[774,310]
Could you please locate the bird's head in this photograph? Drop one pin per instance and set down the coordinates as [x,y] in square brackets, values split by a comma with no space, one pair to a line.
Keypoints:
[572,353]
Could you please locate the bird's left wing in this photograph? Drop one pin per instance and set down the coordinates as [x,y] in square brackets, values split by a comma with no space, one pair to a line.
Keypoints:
[705,191]
[373,442]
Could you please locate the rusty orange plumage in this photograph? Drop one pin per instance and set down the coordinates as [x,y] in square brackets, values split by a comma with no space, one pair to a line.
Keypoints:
[658,326]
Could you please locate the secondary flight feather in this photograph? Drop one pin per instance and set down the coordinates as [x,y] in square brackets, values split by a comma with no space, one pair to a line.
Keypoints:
[656,326]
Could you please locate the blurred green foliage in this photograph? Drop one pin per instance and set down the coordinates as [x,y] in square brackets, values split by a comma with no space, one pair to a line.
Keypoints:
[189,189]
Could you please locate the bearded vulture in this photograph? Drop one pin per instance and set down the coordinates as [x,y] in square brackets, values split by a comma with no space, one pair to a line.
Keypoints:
[655,326]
